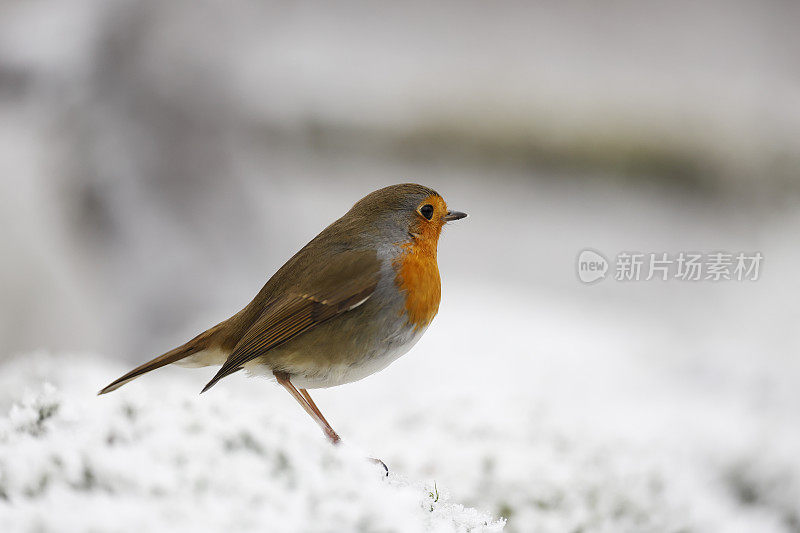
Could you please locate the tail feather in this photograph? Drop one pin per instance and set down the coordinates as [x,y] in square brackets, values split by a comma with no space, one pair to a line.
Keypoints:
[223,372]
[199,343]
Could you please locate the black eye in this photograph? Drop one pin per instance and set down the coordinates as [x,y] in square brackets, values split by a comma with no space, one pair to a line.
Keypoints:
[426,211]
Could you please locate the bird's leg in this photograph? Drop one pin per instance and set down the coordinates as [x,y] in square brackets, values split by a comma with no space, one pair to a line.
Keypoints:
[313,406]
[316,410]
[304,399]
[326,427]
[329,430]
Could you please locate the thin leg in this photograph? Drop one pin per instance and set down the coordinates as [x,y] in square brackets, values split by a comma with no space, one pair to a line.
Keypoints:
[313,406]
[304,399]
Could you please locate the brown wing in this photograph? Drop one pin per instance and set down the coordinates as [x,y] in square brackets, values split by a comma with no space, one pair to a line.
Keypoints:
[345,282]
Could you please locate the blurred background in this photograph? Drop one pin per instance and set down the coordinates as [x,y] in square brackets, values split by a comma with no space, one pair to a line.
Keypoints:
[160,160]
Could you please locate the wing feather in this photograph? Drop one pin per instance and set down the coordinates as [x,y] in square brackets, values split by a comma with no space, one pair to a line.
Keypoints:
[344,283]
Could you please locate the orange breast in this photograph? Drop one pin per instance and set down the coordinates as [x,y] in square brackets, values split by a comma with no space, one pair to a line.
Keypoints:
[418,277]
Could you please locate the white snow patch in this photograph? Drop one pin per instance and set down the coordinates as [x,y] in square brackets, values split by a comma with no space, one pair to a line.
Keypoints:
[158,457]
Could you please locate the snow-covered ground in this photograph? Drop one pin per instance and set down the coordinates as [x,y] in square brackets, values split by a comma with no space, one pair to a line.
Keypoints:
[158,458]
[557,419]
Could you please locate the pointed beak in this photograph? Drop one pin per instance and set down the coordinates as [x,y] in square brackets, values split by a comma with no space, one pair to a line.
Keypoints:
[454,215]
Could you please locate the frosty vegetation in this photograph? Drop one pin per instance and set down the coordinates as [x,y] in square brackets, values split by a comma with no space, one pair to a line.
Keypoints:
[161,460]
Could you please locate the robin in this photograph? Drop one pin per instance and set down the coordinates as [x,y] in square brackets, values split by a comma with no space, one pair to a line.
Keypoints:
[351,301]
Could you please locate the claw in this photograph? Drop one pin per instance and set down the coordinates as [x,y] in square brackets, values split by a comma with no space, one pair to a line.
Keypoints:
[379,462]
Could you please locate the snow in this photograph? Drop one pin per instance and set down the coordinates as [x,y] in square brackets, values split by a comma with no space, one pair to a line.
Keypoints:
[160,459]
[570,422]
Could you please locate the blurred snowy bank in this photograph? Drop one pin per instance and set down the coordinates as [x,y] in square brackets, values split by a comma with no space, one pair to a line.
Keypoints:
[591,440]
[162,460]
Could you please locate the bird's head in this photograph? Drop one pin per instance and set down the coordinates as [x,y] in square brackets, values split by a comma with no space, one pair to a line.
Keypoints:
[408,210]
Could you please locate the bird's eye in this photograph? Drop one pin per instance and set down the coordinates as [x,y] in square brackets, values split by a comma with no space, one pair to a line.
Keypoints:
[426,211]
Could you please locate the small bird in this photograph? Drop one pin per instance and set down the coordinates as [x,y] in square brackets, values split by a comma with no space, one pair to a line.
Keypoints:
[351,301]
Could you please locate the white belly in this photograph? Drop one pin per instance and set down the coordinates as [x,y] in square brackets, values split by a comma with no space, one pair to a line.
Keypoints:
[341,374]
